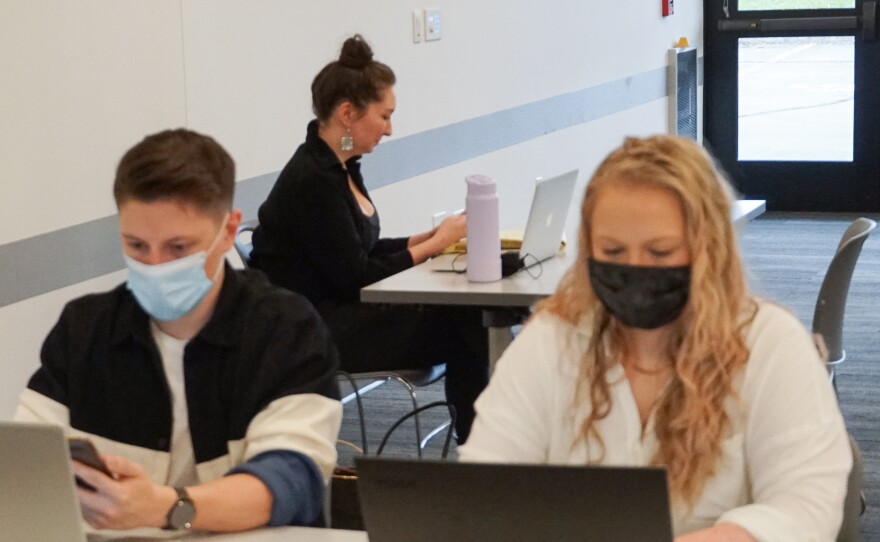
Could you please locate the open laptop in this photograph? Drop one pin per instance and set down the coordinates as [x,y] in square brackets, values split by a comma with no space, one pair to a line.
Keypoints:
[543,233]
[547,216]
[39,495]
[439,501]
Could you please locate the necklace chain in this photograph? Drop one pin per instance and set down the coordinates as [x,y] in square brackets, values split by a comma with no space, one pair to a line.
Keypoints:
[649,372]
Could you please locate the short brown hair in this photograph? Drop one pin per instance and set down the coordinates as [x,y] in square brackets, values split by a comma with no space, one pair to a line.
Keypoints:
[355,78]
[177,165]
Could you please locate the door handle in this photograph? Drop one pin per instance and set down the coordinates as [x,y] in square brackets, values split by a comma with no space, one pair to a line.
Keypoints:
[789,24]
[869,20]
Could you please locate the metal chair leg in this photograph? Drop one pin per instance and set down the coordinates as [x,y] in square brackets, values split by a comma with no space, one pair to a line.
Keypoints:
[356,393]
[362,391]
[378,380]
[434,432]
[415,404]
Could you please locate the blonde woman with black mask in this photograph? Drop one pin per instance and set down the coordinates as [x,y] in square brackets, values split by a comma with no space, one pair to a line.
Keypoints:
[653,352]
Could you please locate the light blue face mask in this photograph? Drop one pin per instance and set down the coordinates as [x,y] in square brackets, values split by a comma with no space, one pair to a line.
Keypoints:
[171,290]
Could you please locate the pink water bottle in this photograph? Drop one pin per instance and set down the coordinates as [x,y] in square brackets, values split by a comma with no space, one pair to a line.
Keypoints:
[483,239]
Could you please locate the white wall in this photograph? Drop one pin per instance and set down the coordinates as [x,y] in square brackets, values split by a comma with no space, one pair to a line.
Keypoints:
[83,81]
[404,205]
[249,64]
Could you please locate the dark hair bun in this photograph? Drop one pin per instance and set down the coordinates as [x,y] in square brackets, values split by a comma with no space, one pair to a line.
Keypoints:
[356,53]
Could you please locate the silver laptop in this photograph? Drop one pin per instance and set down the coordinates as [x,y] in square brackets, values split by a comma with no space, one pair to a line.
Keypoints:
[39,495]
[439,501]
[547,217]
[543,233]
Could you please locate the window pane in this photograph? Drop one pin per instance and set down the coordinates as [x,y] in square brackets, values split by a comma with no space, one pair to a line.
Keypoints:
[796,98]
[755,5]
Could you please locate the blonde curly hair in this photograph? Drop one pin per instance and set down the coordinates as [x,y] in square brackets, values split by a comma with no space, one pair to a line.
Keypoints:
[707,344]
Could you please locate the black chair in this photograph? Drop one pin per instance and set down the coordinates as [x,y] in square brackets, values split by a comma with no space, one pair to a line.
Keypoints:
[243,242]
[831,303]
[408,378]
[854,504]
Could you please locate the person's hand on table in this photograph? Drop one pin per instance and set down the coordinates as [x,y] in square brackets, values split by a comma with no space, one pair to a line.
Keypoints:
[428,244]
[451,230]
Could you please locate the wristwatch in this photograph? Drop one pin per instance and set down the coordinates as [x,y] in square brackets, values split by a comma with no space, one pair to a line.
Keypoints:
[182,512]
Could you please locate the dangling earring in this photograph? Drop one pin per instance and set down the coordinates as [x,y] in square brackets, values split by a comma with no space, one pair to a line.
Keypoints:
[346,142]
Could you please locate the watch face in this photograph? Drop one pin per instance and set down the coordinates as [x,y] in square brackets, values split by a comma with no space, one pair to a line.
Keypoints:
[182,514]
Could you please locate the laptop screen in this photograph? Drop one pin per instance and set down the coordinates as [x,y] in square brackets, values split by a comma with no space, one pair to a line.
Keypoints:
[547,217]
[438,501]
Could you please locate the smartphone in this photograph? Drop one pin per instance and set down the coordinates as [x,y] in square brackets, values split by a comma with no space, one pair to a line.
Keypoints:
[84,451]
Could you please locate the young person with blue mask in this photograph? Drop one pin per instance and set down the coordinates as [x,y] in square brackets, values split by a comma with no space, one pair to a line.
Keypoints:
[210,393]
[653,352]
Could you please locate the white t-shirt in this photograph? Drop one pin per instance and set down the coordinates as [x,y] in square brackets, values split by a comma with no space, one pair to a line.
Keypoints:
[784,468]
[182,470]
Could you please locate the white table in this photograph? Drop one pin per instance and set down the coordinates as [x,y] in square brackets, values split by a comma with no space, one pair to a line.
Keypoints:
[502,300]
[423,285]
[275,534]
[293,534]
[746,210]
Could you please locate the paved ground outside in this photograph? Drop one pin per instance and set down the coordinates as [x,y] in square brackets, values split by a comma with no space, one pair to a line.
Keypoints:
[796,98]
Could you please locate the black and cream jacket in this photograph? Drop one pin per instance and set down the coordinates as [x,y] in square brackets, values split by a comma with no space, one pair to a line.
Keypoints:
[259,377]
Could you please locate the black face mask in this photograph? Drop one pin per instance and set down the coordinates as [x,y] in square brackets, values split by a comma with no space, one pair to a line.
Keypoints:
[641,297]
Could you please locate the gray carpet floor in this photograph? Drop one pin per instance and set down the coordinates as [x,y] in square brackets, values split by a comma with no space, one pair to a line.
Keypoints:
[786,256]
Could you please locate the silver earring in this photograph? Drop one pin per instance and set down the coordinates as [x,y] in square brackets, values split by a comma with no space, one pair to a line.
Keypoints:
[346,142]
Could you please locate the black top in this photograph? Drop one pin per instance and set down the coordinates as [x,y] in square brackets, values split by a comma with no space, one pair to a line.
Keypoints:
[313,237]
[372,229]
[261,344]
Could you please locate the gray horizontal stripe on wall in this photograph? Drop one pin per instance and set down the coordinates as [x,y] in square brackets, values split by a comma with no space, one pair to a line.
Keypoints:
[251,193]
[53,260]
[399,159]
[68,256]
[71,255]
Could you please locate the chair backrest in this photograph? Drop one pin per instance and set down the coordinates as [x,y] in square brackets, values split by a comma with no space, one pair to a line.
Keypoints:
[853,505]
[243,241]
[830,305]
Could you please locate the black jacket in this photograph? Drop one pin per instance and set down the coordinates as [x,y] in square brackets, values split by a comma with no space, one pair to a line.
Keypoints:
[313,237]
[261,345]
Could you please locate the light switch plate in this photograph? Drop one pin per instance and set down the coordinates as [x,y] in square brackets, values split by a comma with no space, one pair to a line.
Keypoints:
[433,25]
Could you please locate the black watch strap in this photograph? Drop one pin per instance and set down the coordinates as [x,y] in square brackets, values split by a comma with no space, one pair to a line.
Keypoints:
[182,512]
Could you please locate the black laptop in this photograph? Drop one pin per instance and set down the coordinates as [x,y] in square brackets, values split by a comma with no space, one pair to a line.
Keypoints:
[440,501]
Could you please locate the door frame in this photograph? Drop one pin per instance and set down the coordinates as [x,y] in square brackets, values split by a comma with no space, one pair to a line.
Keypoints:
[792,186]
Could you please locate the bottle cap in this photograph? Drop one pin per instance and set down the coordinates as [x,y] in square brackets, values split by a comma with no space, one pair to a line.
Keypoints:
[480,185]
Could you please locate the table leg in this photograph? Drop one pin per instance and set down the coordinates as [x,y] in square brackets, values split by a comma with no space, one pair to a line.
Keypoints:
[499,339]
[499,323]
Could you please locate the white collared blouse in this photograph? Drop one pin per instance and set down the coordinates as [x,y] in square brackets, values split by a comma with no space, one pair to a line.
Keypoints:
[784,468]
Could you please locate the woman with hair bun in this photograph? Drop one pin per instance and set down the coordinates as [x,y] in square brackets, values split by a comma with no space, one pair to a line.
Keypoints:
[319,236]
[653,352]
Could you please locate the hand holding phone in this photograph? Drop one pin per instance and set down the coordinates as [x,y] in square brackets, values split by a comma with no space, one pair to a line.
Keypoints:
[84,451]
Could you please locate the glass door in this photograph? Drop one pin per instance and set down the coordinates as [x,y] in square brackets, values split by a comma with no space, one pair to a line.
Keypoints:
[792,100]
